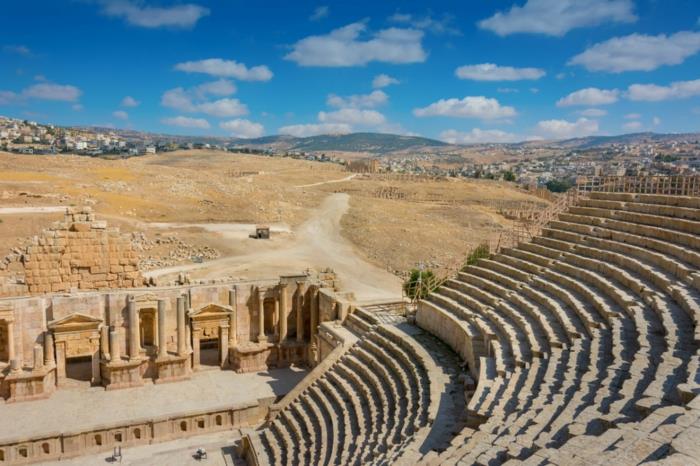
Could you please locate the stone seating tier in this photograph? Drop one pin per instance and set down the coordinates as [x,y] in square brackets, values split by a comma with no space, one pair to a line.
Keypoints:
[611,289]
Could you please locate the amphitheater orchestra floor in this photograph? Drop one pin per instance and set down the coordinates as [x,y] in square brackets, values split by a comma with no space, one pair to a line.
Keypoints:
[87,407]
[175,453]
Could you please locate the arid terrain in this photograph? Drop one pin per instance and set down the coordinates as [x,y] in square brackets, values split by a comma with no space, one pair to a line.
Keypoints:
[193,211]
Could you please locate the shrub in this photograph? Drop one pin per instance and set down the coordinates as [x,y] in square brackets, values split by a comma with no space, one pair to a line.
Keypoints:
[508,175]
[420,284]
[482,251]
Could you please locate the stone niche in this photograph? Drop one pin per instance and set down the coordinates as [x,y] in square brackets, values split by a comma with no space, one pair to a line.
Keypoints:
[210,335]
[77,341]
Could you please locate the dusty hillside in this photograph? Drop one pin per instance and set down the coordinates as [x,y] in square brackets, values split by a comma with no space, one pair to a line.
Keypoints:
[196,206]
[436,222]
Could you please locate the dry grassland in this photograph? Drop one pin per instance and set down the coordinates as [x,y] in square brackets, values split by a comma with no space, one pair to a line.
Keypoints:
[434,222]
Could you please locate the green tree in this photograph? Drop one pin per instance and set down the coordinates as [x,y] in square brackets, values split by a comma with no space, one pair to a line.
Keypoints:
[419,284]
[559,186]
[508,175]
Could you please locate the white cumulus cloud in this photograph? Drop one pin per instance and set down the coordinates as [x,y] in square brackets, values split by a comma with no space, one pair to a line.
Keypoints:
[563,129]
[320,13]
[223,108]
[557,17]
[8,97]
[632,126]
[468,107]
[493,72]
[345,47]
[639,52]
[129,101]
[373,99]
[593,112]
[476,136]
[221,88]
[589,96]
[121,114]
[383,80]
[436,26]
[242,128]
[352,116]
[139,14]
[226,69]
[187,122]
[187,101]
[48,91]
[654,93]
[302,131]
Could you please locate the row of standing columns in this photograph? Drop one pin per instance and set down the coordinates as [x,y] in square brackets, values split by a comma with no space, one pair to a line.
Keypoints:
[134,350]
[109,336]
[281,313]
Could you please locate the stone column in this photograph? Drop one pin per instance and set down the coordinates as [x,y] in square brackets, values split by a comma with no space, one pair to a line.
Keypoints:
[314,312]
[60,361]
[195,349]
[223,346]
[10,340]
[162,344]
[181,332]
[276,319]
[134,345]
[300,316]
[232,301]
[38,357]
[104,341]
[261,316]
[283,311]
[114,350]
[96,373]
[49,352]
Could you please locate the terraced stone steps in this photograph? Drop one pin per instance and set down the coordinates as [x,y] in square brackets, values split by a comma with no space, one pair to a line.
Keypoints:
[592,337]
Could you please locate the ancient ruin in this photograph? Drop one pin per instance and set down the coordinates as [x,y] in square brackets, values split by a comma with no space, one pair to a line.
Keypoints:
[575,342]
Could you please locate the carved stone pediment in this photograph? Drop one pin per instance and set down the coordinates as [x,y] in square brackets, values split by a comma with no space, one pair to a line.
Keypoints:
[75,322]
[148,297]
[211,311]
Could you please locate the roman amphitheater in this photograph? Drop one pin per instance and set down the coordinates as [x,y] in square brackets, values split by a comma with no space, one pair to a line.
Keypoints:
[575,341]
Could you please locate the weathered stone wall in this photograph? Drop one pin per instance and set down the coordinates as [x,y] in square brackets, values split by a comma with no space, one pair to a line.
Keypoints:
[80,253]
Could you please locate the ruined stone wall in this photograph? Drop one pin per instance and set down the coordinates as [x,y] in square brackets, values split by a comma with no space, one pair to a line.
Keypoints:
[80,253]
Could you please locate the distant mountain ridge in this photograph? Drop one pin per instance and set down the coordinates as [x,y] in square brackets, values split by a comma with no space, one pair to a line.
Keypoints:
[384,143]
[377,143]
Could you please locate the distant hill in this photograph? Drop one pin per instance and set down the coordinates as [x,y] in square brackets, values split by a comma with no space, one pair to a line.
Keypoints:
[592,142]
[376,143]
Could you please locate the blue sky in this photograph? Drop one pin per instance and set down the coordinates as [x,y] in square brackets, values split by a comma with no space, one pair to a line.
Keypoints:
[470,71]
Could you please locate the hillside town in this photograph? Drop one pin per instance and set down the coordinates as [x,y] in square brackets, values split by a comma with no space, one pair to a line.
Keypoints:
[526,164]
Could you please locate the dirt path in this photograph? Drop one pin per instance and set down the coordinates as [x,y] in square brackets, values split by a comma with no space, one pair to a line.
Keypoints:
[317,244]
[340,180]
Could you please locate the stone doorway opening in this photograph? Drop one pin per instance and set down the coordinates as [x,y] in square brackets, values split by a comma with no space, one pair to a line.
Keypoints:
[79,369]
[4,344]
[209,352]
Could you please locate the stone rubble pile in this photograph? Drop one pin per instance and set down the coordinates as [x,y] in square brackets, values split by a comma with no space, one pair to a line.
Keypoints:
[178,251]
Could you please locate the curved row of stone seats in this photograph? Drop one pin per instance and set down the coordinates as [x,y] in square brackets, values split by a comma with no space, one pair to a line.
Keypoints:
[376,403]
[599,316]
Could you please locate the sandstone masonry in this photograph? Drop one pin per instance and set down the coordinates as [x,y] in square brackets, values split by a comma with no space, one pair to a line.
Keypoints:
[80,253]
